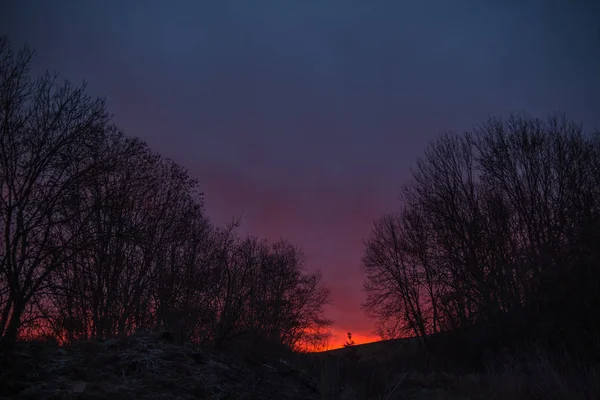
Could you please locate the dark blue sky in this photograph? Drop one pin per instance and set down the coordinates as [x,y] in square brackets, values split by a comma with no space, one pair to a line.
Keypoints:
[306,115]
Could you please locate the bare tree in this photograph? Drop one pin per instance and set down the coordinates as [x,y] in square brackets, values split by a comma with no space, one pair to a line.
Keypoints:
[265,292]
[494,222]
[145,235]
[392,282]
[101,236]
[47,133]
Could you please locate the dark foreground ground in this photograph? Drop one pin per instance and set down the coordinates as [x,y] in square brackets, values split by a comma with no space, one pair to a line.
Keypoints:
[150,366]
[399,369]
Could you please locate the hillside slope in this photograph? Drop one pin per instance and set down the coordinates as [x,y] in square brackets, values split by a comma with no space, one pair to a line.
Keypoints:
[147,367]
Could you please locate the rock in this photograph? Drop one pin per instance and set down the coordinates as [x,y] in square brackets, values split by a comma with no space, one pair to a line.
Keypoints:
[79,387]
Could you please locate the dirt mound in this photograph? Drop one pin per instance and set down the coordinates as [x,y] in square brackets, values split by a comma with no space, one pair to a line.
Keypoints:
[146,366]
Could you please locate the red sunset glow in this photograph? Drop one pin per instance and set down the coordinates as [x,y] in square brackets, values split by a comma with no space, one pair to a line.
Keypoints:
[342,213]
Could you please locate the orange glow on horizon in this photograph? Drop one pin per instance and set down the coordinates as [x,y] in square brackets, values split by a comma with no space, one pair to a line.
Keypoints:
[336,340]
[339,337]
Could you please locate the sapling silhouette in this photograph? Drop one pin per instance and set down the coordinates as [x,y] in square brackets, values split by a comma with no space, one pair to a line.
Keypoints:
[350,342]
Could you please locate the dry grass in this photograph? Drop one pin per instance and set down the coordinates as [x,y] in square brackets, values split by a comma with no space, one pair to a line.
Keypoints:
[533,377]
[544,385]
[147,367]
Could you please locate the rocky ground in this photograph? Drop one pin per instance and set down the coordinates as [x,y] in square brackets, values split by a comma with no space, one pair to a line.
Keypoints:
[148,366]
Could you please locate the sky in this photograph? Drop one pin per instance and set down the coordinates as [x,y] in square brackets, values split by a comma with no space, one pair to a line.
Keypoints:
[305,116]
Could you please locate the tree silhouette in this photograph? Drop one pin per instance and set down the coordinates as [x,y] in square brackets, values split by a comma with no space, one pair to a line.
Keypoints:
[350,342]
[102,237]
[496,222]
[48,133]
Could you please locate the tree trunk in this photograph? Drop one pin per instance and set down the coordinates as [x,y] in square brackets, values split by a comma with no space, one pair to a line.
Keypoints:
[4,317]
[12,329]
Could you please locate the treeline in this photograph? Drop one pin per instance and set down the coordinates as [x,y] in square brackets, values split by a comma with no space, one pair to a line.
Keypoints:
[499,227]
[101,236]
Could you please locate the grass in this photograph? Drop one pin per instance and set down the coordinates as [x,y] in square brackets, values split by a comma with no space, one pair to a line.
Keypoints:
[387,375]
[147,367]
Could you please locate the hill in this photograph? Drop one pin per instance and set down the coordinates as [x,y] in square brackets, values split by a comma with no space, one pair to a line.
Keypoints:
[153,366]
[149,366]
[458,365]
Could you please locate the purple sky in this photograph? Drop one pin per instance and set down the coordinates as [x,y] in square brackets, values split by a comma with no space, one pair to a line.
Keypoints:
[305,116]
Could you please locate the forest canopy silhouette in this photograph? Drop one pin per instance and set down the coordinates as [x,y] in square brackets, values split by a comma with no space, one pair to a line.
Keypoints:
[499,227]
[101,236]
